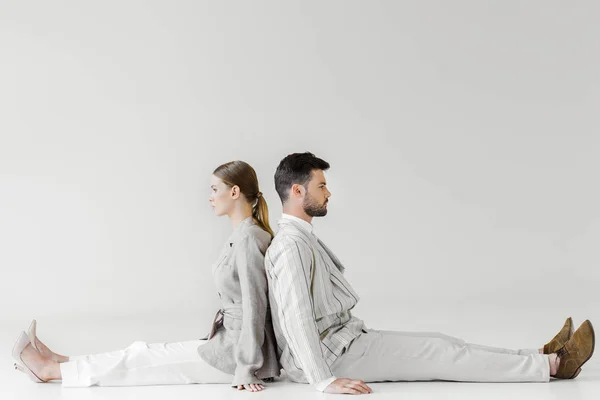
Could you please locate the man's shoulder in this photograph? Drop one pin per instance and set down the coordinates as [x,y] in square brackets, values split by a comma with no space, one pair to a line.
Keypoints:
[288,238]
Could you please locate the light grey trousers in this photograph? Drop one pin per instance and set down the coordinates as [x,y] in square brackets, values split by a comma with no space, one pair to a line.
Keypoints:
[377,356]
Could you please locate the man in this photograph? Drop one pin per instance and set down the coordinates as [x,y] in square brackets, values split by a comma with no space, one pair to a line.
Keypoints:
[320,340]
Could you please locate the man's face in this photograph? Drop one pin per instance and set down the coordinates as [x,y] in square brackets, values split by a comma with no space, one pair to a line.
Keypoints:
[317,195]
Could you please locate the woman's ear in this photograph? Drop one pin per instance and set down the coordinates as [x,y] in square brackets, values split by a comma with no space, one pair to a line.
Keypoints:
[235,192]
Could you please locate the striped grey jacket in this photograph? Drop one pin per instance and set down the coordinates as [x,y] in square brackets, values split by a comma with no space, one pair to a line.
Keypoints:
[310,303]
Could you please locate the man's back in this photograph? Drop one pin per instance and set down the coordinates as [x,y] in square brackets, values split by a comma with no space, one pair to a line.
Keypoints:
[310,302]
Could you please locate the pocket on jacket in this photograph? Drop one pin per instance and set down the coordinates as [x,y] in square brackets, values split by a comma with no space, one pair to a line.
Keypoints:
[222,258]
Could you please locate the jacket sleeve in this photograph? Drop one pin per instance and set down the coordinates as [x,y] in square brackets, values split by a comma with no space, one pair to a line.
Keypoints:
[289,265]
[249,258]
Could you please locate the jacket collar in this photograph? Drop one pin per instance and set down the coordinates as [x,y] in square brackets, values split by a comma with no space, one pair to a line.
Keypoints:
[296,227]
[306,226]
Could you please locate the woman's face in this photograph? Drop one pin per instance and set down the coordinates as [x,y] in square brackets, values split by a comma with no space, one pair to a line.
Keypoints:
[222,197]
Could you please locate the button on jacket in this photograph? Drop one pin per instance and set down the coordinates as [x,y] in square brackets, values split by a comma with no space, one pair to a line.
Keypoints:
[241,340]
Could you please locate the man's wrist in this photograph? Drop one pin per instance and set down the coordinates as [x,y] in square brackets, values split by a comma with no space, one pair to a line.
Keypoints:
[322,385]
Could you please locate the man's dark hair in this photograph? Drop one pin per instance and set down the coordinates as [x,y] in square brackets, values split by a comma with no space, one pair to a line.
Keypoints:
[296,168]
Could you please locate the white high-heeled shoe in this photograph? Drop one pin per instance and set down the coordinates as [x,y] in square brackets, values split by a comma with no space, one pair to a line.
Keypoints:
[31,334]
[34,340]
[18,348]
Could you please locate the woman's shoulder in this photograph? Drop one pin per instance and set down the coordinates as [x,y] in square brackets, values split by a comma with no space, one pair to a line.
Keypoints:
[255,233]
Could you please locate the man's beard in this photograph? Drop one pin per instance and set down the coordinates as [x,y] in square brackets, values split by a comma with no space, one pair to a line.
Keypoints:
[312,208]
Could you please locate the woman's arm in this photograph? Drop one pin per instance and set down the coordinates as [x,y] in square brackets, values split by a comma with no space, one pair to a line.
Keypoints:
[249,259]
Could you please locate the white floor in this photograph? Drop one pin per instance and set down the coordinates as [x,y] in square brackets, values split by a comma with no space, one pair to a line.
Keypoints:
[490,324]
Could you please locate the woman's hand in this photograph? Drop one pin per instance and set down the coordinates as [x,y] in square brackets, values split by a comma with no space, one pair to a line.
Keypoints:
[253,387]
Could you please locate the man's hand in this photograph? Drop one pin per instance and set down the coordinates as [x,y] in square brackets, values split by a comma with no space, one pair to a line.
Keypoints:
[349,386]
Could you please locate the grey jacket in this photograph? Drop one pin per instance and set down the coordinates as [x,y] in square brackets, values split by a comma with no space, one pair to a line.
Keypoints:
[241,341]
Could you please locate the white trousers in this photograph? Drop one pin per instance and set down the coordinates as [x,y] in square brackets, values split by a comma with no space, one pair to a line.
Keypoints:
[142,364]
[378,356]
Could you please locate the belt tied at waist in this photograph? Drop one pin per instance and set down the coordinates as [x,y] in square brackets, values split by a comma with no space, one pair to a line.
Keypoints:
[230,320]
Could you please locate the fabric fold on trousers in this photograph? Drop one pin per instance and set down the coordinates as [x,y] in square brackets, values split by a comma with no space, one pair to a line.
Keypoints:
[377,356]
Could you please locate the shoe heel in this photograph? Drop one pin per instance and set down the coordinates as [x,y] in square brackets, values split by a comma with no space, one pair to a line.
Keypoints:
[27,372]
[576,373]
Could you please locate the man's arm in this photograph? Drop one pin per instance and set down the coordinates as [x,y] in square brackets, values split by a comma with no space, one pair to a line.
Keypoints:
[289,265]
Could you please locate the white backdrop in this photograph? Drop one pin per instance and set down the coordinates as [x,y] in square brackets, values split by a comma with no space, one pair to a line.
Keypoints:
[463,139]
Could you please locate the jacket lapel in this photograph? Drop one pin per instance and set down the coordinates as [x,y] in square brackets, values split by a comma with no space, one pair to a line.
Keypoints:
[336,261]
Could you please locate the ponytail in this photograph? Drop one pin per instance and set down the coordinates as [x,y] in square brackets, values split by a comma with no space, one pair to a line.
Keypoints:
[260,214]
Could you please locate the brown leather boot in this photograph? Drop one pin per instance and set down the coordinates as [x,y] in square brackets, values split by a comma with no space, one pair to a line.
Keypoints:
[561,338]
[576,351]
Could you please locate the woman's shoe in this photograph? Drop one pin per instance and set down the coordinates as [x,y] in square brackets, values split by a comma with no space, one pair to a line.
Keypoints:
[31,334]
[37,344]
[18,348]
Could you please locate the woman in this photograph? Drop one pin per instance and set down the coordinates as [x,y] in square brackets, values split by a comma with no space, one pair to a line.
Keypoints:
[240,347]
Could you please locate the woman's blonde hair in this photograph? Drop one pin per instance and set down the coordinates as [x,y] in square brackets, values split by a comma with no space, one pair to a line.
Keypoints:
[241,174]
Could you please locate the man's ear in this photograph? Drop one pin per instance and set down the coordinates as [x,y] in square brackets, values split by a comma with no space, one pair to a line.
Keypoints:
[298,190]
